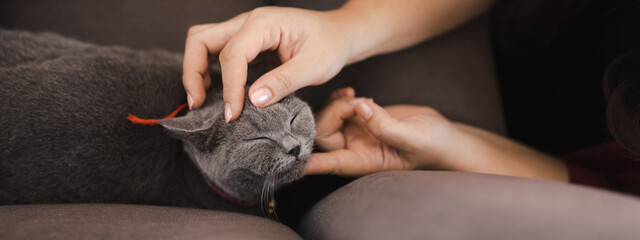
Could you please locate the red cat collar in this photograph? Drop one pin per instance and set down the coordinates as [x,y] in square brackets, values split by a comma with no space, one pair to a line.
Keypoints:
[138,120]
[230,198]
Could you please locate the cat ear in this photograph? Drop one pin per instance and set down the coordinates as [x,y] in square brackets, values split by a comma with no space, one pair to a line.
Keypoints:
[195,127]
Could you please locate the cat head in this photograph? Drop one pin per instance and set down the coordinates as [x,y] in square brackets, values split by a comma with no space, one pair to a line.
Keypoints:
[237,157]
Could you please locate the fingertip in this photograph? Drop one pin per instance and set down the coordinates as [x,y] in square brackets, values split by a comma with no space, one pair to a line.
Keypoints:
[235,115]
[261,97]
[263,94]
[194,87]
[279,82]
[319,163]
[190,101]
[227,112]
[310,168]
[236,110]
[348,92]
[364,111]
[195,101]
[233,103]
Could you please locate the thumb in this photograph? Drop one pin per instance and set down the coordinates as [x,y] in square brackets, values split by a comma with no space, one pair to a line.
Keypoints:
[282,81]
[380,124]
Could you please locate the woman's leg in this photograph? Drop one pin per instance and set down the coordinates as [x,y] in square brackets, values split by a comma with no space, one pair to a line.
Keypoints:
[454,205]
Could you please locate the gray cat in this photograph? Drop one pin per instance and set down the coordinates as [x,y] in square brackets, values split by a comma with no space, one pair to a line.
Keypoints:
[65,138]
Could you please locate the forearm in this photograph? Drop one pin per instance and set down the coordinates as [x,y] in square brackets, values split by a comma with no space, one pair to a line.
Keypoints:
[382,26]
[486,152]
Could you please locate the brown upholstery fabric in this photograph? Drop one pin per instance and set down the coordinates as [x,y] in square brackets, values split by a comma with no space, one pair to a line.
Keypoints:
[315,5]
[453,73]
[112,221]
[453,205]
[139,24]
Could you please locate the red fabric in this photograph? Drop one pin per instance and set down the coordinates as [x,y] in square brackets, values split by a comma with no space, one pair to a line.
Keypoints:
[582,176]
[606,166]
[230,198]
[138,120]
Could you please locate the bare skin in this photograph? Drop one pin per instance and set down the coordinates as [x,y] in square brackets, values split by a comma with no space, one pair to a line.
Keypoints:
[362,138]
[313,46]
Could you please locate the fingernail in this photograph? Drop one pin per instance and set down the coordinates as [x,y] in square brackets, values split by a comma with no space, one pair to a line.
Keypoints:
[190,101]
[227,112]
[364,111]
[260,97]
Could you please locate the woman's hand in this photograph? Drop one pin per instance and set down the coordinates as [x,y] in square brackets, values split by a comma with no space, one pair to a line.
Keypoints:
[313,46]
[362,137]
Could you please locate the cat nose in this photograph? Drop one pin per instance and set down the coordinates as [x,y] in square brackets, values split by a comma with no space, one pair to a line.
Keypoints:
[295,151]
[290,145]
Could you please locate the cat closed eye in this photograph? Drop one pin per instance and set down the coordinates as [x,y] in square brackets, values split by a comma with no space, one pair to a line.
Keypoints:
[259,138]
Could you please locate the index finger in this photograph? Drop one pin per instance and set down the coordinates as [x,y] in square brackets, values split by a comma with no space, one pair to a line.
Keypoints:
[202,40]
[241,49]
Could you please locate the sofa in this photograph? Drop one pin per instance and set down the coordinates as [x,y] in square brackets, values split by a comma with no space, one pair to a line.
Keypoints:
[453,73]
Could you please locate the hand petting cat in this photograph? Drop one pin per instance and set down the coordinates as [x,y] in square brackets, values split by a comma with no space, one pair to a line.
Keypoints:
[239,40]
[361,137]
[312,45]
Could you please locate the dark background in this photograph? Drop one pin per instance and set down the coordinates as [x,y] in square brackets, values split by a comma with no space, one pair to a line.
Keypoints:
[551,57]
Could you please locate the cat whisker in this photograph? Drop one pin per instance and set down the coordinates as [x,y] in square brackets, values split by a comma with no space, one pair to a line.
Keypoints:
[267,197]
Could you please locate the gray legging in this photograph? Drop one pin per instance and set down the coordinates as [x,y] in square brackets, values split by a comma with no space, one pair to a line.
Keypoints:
[453,205]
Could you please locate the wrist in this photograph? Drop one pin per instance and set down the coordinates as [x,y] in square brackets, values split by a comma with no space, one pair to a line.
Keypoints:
[456,156]
[485,152]
[445,152]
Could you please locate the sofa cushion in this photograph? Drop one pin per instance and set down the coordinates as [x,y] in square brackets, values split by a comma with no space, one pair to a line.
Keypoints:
[140,24]
[119,221]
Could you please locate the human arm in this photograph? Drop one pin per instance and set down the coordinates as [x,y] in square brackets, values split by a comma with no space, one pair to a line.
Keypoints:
[383,26]
[313,46]
[487,152]
[362,137]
